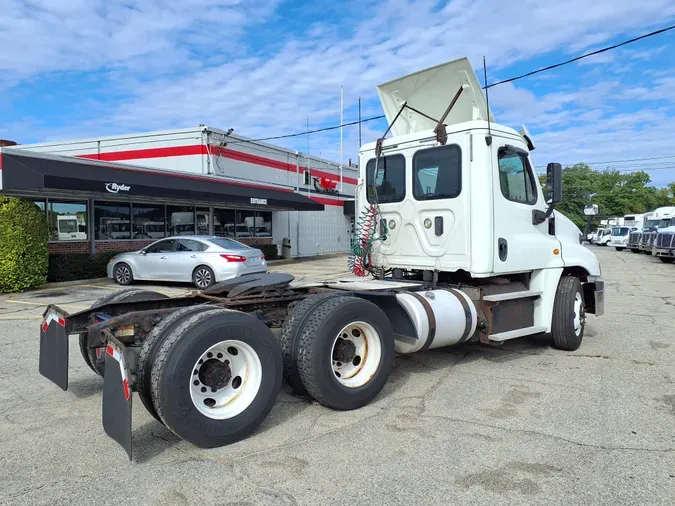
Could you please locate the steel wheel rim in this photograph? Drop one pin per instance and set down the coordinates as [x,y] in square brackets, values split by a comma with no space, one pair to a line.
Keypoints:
[203,278]
[232,395]
[579,314]
[356,354]
[123,274]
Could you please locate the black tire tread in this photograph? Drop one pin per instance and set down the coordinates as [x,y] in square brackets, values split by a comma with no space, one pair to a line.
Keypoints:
[667,260]
[562,327]
[150,345]
[290,336]
[159,363]
[309,345]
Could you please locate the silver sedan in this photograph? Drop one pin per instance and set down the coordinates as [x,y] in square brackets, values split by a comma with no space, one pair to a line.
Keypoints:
[201,260]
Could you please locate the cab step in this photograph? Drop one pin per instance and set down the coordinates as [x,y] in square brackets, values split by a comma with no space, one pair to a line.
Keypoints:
[513,334]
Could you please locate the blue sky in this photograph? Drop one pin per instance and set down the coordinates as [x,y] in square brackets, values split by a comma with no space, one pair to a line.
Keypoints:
[81,68]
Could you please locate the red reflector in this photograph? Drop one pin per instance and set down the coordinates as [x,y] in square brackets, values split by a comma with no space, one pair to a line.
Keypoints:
[45,326]
[109,350]
[61,322]
[233,258]
[99,352]
[262,256]
[125,385]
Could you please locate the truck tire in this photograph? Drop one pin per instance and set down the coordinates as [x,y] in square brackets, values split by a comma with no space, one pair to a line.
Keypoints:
[635,250]
[96,359]
[290,337]
[150,346]
[667,260]
[346,352]
[569,318]
[123,275]
[619,249]
[216,377]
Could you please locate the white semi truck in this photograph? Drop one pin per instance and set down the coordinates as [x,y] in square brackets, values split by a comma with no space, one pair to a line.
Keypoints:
[457,243]
[621,233]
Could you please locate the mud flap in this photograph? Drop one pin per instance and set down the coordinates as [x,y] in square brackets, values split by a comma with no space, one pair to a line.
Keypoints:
[53,360]
[117,396]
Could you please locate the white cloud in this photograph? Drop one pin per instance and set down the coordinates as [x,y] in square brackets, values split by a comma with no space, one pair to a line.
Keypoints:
[174,64]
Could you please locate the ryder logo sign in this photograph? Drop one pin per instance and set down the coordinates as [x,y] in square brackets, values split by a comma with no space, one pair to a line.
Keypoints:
[116,188]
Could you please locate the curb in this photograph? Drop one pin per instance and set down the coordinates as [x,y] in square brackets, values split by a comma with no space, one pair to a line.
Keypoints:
[60,284]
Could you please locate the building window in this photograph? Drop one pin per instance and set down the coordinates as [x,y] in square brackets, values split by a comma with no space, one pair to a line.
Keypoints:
[180,220]
[244,223]
[263,225]
[112,221]
[203,220]
[149,222]
[223,223]
[67,221]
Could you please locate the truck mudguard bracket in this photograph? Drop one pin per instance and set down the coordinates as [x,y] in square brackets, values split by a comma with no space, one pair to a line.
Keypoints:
[117,396]
[53,360]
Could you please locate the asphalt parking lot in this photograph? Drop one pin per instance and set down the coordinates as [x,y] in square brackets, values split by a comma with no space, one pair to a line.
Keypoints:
[521,424]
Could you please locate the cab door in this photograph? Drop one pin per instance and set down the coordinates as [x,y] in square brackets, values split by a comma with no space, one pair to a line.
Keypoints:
[519,245]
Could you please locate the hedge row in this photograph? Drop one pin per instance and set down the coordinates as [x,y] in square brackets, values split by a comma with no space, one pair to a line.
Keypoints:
[75,266]
[23,245]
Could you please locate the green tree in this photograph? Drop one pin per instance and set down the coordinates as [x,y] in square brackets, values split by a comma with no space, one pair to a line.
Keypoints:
[615,192]
[24,256]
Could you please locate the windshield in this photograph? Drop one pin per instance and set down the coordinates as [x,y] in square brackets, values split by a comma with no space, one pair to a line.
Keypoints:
[67,226]
[664,223]
[651,223]
[228,243]
[620,231]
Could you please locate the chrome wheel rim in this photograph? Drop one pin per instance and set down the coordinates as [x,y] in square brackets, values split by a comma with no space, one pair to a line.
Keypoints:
[579,314]
[123,274]
[203,278]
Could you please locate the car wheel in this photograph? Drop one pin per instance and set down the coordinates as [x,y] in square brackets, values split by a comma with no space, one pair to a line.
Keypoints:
[203,277]
[123,274]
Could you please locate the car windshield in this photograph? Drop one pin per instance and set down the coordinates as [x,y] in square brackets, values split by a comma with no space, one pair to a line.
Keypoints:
[228,243]
[620,231]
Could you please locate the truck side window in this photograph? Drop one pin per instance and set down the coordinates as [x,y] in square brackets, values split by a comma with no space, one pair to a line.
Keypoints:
[437,173]
[389,182]
[515,177]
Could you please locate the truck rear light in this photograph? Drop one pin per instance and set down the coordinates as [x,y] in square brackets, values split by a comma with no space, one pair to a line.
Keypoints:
[234,258]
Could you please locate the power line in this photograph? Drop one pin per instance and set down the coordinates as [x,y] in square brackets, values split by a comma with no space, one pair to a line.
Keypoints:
[593,53]
[307,132]
[516,78]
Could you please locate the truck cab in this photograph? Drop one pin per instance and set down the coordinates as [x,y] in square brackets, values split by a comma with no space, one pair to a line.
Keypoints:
[619,237]
[459,199]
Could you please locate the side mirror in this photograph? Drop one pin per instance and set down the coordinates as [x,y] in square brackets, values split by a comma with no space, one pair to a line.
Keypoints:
[591,210]
[554,183]
[143,252]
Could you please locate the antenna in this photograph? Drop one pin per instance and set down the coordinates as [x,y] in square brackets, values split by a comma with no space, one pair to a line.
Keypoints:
[488,139]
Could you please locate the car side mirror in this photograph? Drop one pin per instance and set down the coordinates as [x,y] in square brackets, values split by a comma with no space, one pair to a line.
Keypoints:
[591,210]
[144,252]
[554,183]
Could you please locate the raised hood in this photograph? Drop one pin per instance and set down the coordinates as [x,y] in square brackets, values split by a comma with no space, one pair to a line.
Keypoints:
[430,91]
